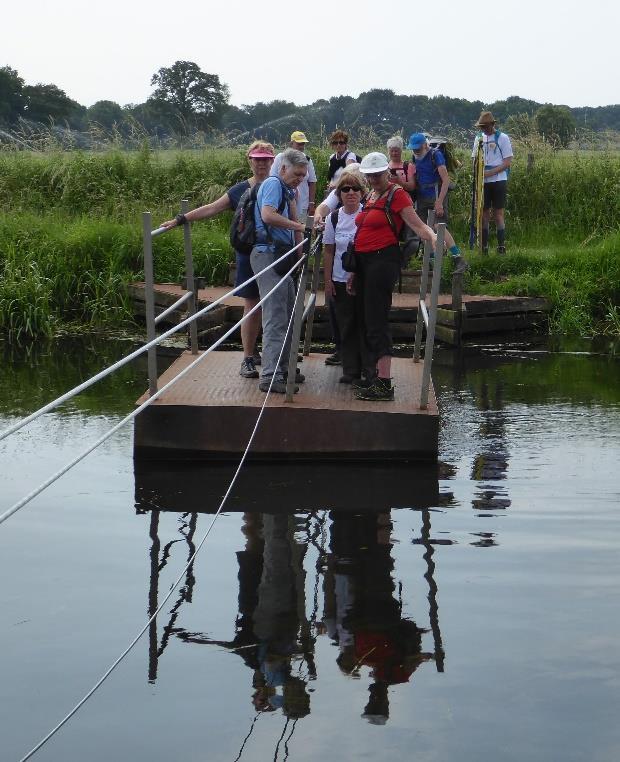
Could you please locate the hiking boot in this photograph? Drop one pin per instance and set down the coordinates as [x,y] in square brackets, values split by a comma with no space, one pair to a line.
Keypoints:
[248,368]
[278,386]
[362,383]
[299,376]
[460,265]
[334,359]
[501,249]
[381,390]
[257,358]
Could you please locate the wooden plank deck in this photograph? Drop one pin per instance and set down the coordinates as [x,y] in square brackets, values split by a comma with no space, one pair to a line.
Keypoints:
[210,413]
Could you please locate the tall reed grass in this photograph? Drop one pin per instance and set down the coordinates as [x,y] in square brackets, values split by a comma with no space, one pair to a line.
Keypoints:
[70,232]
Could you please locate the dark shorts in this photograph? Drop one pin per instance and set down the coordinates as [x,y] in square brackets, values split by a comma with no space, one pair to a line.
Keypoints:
[495,195]
[424,205]
[244,271]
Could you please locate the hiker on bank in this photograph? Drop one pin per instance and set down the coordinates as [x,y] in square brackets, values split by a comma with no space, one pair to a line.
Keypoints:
[432,186]
[339,141]
[277,230]
[377,267]
[401,172]
[260,156]
[498,154]
[340,229]
[306,192]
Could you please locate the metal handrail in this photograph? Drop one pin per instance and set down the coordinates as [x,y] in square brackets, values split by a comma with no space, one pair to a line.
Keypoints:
[427,317]
[174,306]
[136,353]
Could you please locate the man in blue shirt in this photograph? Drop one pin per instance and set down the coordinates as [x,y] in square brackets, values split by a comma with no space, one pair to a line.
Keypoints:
[432,184]
[277,231]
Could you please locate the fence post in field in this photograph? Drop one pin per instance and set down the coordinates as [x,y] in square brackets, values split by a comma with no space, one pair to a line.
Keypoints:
[190,283]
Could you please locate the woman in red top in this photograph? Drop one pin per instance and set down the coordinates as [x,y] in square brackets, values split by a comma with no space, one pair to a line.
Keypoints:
[378,266]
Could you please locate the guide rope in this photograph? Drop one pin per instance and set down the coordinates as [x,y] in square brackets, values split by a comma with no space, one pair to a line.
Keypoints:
[110,669]
[123,361]
[37,491]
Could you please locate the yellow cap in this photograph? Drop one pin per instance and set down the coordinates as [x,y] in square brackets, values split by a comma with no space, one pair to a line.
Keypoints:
[299,137]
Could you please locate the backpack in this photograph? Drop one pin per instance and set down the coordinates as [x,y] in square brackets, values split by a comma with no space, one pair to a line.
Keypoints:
[447,150]
[243,225]
[408,241]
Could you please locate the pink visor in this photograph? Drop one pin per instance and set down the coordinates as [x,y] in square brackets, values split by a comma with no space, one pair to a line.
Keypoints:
[261,153]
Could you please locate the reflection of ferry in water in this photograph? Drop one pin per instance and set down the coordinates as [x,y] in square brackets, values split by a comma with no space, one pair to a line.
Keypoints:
[276,631]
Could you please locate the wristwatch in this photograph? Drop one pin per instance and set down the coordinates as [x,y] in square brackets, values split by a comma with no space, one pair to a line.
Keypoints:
[180,219]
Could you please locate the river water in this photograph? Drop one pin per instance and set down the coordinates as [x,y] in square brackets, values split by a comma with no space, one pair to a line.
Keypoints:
[468,612]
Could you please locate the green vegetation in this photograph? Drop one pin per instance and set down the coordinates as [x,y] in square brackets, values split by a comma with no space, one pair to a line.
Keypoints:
[70,232]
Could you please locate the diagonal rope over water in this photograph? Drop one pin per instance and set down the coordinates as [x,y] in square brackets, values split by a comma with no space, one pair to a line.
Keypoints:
[178,580]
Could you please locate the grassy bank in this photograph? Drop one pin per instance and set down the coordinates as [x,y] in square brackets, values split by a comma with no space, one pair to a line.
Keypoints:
[70,233]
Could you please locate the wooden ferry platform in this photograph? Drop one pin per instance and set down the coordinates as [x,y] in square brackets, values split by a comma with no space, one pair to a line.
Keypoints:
[211,412]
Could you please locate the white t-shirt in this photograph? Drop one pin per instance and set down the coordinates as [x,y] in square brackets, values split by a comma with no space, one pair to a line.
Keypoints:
[332,201]
[345,231]
[494,153]
[350,159]
[303,194]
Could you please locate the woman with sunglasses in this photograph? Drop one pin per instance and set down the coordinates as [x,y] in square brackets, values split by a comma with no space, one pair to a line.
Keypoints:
[339,141]
[339,230]
[377,255]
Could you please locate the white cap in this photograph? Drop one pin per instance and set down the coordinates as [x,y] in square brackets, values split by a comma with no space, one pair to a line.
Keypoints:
[374,162]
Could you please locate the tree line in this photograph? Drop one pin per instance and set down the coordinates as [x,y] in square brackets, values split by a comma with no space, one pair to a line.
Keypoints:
[186,100]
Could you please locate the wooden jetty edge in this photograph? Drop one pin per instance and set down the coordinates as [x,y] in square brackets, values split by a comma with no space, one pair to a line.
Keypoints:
[210,414]
[457,319]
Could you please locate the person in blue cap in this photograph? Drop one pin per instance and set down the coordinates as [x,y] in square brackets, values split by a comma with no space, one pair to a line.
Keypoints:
[432,186]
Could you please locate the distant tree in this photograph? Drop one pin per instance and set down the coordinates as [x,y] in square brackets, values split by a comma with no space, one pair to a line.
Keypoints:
[520,126]
[556,123]
[11,95]
[192,97]
[45,102]
[105,113]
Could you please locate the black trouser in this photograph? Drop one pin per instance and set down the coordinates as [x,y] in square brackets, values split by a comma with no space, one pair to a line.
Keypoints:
[377,275]
[345,311]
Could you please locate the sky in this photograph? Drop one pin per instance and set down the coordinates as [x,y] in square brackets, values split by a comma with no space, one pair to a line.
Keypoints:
[548,51]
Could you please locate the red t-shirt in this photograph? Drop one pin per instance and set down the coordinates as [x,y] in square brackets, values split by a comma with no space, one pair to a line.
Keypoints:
[373,229]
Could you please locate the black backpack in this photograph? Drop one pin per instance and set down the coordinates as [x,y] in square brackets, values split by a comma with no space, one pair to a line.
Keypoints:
[408,241]
[243,226]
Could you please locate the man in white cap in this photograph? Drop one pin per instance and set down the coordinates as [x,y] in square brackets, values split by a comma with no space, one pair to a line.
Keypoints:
[306,191]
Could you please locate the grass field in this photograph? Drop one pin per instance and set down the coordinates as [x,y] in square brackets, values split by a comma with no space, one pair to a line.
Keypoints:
[70,232]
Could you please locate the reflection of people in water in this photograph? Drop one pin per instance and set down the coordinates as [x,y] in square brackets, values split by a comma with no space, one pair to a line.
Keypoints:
[271,611]
[492,463]
[277,620]
[361,613]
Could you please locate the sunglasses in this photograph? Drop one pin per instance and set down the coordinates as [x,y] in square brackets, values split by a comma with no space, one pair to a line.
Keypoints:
[339,142]
[349,188]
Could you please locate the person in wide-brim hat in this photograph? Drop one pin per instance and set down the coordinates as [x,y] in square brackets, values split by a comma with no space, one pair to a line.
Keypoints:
[486,118]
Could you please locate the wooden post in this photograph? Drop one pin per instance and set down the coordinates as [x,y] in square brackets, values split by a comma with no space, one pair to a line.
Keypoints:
[457,305]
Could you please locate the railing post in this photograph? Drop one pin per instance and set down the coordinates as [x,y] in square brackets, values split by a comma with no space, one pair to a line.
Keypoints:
[189,279]
[149,298]
[316,276]
[419,326]
[296,328]
[432,317]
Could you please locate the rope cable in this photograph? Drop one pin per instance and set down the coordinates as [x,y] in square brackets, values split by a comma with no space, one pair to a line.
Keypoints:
[110,669]
[132,355]
[37,490]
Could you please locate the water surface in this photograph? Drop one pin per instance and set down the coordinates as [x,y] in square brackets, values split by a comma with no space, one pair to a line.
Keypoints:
[466,612]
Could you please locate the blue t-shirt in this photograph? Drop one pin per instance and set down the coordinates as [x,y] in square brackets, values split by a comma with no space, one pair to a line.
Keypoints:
[427,176]
[234,194]
[270,194]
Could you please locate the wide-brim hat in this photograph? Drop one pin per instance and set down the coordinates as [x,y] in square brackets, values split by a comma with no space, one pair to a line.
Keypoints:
[486,117]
